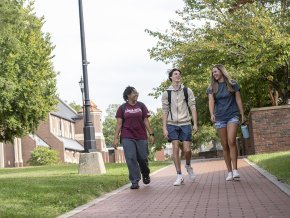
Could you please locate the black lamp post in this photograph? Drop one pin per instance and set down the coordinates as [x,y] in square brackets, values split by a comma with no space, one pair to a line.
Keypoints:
[81,83]
[82,87]
[89,130]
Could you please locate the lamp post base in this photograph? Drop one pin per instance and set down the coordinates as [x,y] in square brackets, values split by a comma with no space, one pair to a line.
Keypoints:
[89,138]
[91,163]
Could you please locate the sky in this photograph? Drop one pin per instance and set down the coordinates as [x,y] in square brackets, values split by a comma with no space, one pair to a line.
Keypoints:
[116,47]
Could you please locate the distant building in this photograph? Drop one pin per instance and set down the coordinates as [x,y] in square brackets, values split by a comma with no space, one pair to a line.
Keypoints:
[63,132]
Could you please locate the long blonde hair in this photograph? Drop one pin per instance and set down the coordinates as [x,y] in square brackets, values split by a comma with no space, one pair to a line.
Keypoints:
[214,83]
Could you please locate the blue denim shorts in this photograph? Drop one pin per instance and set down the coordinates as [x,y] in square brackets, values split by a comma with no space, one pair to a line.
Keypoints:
[181,133]
[224,123]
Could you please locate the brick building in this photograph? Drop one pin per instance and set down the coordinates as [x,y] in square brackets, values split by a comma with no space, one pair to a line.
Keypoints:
[62,131]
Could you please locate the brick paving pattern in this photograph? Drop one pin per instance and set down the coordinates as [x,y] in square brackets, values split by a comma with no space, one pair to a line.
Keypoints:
[209,196]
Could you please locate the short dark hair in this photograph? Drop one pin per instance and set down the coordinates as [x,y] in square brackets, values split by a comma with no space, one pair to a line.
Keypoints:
[170,72]
[127,91]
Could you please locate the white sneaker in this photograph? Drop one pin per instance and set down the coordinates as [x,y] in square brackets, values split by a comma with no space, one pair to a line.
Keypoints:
[236,175]
[230,176]
[179,180]
[190,172]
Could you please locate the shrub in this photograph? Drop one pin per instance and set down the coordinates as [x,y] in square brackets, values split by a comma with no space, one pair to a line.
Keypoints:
[43,156]
[151,155]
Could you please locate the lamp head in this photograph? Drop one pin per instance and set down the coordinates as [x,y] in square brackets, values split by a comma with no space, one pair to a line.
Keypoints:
[81,83]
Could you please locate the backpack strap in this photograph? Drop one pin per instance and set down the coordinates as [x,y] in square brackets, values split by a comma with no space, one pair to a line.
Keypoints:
[123,108]
[185,91]
[169,102]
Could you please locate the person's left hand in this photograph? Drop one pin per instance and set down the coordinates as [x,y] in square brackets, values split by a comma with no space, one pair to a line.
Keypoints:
[244,119]
[194,129]
[115,144]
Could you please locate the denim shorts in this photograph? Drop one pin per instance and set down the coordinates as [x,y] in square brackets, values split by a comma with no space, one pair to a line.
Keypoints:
[181,133]
[224,123]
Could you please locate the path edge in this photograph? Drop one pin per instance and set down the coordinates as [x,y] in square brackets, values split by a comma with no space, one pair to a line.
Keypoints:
[282,186]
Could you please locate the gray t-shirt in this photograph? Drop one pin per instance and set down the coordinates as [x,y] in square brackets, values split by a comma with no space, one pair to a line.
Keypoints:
[225,102]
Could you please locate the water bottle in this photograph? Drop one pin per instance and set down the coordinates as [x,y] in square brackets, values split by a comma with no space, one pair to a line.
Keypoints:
[245,131]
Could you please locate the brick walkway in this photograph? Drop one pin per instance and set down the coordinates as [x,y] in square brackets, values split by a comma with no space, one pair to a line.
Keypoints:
[209,196]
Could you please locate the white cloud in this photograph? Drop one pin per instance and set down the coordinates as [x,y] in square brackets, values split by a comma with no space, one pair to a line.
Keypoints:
[116,46]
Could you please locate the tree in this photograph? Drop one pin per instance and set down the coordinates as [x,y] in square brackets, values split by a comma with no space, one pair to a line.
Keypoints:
[109,124]
[27,77]
[156,123]
[251,41]
[206,133]
[111,110]
[75,106]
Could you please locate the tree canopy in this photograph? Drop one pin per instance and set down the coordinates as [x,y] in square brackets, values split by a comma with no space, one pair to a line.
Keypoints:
[27,77]
[76,106]
[250,38]
[109,124]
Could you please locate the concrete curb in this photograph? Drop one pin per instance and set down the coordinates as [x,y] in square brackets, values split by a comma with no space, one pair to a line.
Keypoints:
[282,186]
[103,197]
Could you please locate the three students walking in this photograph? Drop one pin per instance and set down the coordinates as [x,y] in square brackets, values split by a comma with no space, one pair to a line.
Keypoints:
[179,122]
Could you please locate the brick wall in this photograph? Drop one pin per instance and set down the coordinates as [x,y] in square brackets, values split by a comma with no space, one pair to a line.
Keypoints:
[99,137]
[71,156]
[44,133]
[270,129]
[119,156]
[79,125]
[96,120]
[28,145]
[159,155]
[9,156]
[106,157]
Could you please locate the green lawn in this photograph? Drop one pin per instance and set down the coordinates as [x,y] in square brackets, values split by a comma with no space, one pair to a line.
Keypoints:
[278,164]
[49,191]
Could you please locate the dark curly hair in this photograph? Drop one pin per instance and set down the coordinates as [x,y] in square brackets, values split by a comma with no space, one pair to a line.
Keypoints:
[127,91]
[170,72]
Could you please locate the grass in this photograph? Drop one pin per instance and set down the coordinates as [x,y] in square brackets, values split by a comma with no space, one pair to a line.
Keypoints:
[49,191]
[278,164]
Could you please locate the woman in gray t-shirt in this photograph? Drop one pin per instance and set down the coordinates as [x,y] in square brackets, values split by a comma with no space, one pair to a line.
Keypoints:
[225,106]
